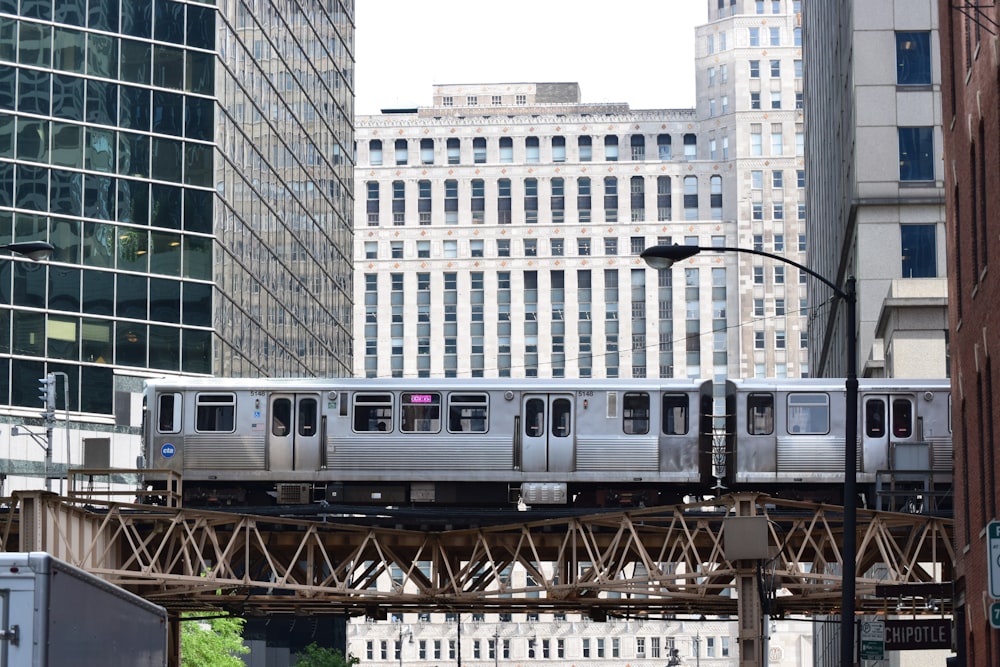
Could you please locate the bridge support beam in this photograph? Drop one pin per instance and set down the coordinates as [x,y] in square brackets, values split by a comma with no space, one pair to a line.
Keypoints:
[746,547]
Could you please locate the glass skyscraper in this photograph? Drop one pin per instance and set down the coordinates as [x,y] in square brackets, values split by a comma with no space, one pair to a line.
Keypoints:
[191,162]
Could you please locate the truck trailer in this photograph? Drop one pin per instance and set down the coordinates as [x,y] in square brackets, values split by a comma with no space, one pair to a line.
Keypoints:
[57,615]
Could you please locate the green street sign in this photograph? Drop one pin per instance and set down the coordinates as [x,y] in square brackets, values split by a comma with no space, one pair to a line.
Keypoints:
[995,615]
[872,640]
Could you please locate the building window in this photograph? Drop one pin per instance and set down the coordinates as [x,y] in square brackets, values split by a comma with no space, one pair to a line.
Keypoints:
[754,100]
[690,197]
[775,34]
[610,246]
[506,150]
[754,69]
[754,36]
[556,246]
[611,148]
[454,151]
[520,100]
[402,153]
[472,100]
[583,247]
[558,149]
[479,150]
[775,68]
[426,151]
[913,58]
[663,147]
[690,146]
[503,247]
[531,150]
[916,148]
[496,100]
[375,152]
[638,145]
[585,146]
[919,249]
[447,101]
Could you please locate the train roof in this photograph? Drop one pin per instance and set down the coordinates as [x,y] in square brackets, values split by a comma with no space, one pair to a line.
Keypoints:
[177,383]
[423,384]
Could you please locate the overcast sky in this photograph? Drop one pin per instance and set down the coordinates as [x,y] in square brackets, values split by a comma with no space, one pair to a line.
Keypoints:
[635,51]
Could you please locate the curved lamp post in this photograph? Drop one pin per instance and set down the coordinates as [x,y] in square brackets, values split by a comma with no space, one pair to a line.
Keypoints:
[663,257]
[33,250]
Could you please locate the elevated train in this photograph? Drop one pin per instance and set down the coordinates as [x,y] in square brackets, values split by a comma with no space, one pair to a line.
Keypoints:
[497,442]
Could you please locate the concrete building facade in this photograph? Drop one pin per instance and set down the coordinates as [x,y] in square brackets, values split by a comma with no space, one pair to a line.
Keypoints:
[875,195]
[508,218]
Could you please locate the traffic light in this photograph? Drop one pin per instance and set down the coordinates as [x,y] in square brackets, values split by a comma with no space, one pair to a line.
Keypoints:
[47,394]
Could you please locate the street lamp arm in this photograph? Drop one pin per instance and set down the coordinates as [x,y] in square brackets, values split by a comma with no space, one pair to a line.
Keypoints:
[663,256]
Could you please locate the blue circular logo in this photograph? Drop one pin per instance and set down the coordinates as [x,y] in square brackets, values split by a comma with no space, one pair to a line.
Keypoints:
[167,450]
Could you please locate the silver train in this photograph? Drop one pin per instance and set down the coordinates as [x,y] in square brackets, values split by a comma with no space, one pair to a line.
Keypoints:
[497,442]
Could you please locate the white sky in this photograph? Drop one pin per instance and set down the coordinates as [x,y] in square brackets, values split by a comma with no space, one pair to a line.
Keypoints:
[635,51]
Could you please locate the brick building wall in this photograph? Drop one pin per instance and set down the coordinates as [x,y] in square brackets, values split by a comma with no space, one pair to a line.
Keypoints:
[969,57]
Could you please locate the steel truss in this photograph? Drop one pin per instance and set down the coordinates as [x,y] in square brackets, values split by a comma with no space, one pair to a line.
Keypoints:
[654,562]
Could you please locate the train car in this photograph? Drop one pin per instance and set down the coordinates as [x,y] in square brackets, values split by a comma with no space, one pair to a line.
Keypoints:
[786,437]
[469,442]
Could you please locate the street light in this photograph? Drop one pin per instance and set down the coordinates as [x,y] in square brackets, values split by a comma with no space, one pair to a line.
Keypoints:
[33,250]
[663,257]
[404,631]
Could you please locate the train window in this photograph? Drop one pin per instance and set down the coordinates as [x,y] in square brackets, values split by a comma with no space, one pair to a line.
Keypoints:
[168,413]
[875,418]
[281,417]
[215,412]
[308,411]
[808,414]
[675,414]
[902,418]
[467,413]
[421,412]
[534,418]
[561,414]
[760,414]
[635,413]
[372,412]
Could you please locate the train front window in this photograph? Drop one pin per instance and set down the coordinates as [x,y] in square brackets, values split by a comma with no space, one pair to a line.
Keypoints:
[760,414]
[168,413]
[372,412]
[635,413]
[902,418]
[467,413]
[421,412]
[675,414]
[215,413]
[808,414]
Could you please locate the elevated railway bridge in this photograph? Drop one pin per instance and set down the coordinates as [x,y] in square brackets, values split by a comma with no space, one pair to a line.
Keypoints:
[743,555]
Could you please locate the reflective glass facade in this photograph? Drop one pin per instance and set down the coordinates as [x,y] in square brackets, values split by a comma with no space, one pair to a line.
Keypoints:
[188,162]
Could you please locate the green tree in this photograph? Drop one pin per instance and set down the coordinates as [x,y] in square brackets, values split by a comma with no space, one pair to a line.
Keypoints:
[211,641]
[314,656]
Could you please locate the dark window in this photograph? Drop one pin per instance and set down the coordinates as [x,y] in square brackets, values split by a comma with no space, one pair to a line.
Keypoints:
[919,250]
[216,412]
[760,414]
[373,412]
[534,418]
[308,416]
[635,413]
[468,413]
[916,154]
[281,417]
[808,414]
[421,412]
[875,418]
[902,418]
[913,58]
[675,414]
[166,415]
[561,417]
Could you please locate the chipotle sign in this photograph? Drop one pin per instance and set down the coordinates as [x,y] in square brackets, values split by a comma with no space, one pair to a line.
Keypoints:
[906,635]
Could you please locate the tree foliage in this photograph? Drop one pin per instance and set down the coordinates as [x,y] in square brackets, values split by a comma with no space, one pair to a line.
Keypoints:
[315,656]
[208,641]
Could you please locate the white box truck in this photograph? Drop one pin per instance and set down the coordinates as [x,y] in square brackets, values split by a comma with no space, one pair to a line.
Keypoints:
[57,615]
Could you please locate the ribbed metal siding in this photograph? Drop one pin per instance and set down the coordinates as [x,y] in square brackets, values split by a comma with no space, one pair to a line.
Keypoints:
[419,453]
[634,453]
[810,455]
[224,452]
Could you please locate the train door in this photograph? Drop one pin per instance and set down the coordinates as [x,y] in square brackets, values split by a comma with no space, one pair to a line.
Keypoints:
[547,432]
[888,431]
[293,436]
